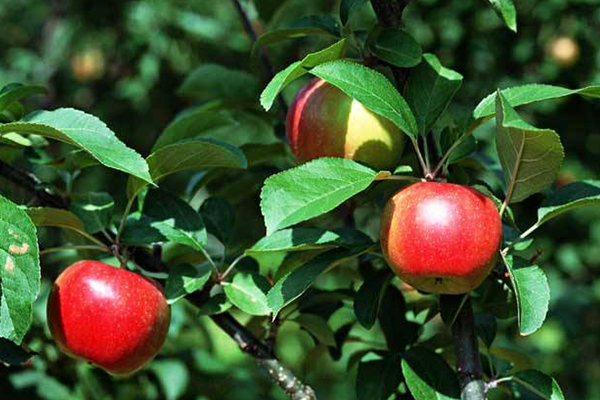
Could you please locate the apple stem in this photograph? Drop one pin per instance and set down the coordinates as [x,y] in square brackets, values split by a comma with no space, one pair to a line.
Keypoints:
[468,361]
[426,172]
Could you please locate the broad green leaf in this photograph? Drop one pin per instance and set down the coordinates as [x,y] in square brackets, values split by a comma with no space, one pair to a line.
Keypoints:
[378,379]
[217,304]
[188,154]
[210,81]
[569,197]
[428,376]
[318,327]
[506,11]
[299,68]
[94,209]
[371,89]
[219,217]
[532,293]
[191,124]
[325,22]
[11,354]
[295,239]
[15,92]
[248,292]
[312,189]
[282,35]
[530,157]
[397,47]
[544,386]
[173,376]
[429,89]
[293,284]
[195,239]
[86,132]
[526,94]
[185,279]
[55,217]
[347,7]
[368,298]
[19,271]
[397,330]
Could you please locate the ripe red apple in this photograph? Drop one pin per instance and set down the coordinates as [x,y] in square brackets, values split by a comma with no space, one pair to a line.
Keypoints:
[109,316]
[441,237]
[325,122]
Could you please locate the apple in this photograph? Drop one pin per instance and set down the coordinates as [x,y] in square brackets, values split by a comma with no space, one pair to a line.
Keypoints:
[441,237]
[112,317]
[323,121]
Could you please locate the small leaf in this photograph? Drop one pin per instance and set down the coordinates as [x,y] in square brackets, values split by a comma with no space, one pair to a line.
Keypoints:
[86,132]
[428,376]
[527,94]
[173,376]
[299,68]
[219,217]
[532,292]
[369,296]
[348,7]
[325,22]
[397,330]
[378,379]
[19,271]
[48,216]
[282,35]
[210,81]
[217,304]
[293,284]
[486,327]
[188,154]
[94,209]
[530,157]
[371,89]
[429,90]
[318,327]
[397,47]
[15,92]
[248,292]
[295,239]
[310,190]
[506,11]
[544,386]
[569,197]
[185,279]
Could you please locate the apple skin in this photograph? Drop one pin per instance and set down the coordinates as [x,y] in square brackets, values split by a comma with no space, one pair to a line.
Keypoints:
[114,318]
[323,121]
[441,237]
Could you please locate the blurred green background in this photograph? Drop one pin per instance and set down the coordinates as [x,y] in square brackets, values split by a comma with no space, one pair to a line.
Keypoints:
[124,61]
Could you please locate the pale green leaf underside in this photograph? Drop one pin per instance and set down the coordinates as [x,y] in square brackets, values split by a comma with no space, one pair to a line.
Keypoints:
[569,197]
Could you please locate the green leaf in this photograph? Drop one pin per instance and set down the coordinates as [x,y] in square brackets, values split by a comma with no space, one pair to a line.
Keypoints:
[318,327]
[369,296]
[532,293]
[188,154]
[217,304]
[19,271]
[48,216]
[173,376]
[195,239]
[11,354]
[297,239]
[569,197]
[530,157]
[544,386]
[219,217]
[398,331]
[378,379]
[325,22]
[94,209]
[299,68]
[15,92]
[526,94]
[86,132]
[429,90]
[210,81]
[292,285]
[347,7]
[428,376]
[282,35]
[397,47]
[506,11]
[248,292]
[371,89]
[310,190]
[486,327]
[185,279]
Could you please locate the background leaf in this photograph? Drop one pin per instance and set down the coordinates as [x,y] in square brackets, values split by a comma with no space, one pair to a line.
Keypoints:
[428,376]
[397,47]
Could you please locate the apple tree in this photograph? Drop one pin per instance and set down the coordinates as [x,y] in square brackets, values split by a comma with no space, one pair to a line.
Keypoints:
[344,194]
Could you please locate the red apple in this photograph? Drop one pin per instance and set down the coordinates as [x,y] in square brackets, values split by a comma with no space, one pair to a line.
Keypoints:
[109,316]
[325,122]
[441,237]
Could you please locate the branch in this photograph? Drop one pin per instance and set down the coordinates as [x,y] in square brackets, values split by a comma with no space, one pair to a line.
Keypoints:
[247,342]
[468,362]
